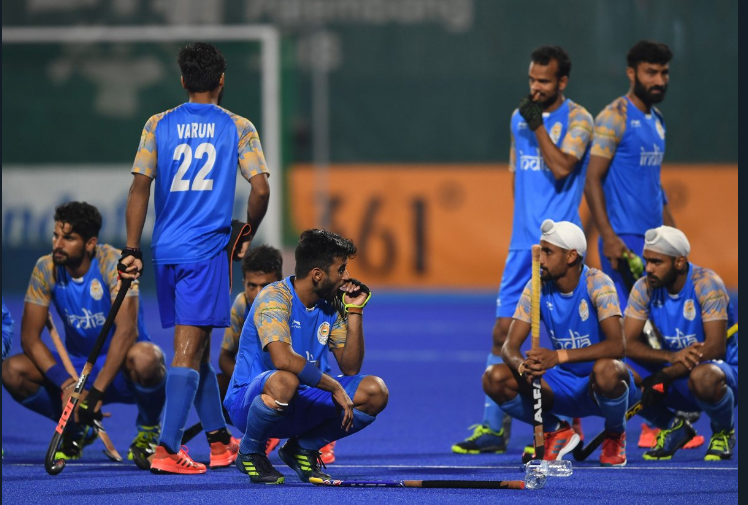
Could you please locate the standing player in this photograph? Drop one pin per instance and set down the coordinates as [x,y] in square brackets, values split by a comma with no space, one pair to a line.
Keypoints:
[80,279]
[623,186]
[550,136]
[584,375]
[192,152]
[278,389]
[697,367]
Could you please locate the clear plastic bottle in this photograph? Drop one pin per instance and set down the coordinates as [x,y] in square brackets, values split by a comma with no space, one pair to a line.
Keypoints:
[553,468]
[534,479]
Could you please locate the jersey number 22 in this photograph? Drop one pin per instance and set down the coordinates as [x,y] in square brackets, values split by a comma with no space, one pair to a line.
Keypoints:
[200,183]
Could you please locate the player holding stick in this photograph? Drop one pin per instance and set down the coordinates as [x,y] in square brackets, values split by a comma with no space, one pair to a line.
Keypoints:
[583,375]
[80,279]
[550,136]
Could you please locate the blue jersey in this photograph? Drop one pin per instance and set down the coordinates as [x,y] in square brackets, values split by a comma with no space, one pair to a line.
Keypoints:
[277,315]
[680,318]
[573,319]
[635,142]
[7,330]
[192,152]
[537,193]
[84,303]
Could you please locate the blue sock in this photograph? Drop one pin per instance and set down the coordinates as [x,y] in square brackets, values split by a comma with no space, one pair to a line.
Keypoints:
[41,403]
[519,408]
[150,402]
[720,413]
[181,386]
[492,413]
[208,400]
[658,416]
[330,430]
[260,421]
[614,411]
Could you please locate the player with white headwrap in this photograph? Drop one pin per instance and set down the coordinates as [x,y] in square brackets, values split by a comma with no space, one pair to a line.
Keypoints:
[697,367]
[579,307]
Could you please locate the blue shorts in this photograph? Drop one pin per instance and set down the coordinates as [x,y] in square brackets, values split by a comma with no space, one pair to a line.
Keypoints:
[194,294]
[310,408]
[517,272]
[635,243]
[119,391]
[572,395]
[679,396]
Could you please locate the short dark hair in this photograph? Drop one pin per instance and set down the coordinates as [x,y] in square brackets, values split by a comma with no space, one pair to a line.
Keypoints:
[544,54]
[648,51]
[319,248]
[84,218]
[266,259]
[202,66]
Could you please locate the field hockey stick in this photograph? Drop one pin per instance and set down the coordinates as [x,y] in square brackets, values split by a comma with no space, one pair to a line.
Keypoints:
[581,453]
[443,484]
[110,451]
[537,418]
[50,465]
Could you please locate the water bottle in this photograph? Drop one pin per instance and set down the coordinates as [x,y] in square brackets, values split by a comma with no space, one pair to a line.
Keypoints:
[552,468]
[534,479]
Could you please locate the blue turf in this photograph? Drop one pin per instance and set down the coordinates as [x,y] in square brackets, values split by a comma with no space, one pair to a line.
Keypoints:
[430,349]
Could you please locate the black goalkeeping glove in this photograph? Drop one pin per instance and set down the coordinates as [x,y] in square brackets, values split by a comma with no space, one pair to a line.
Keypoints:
[86,413]
[655,388]
[342,304]
[532,112]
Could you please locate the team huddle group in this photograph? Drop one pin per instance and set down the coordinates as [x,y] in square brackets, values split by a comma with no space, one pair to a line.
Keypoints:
[274,381]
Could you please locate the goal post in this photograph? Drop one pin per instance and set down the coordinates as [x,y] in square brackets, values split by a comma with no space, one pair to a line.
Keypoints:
[269,39]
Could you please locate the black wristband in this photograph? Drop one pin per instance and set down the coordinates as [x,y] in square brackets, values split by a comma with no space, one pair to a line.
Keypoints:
[93,397]
[131,251]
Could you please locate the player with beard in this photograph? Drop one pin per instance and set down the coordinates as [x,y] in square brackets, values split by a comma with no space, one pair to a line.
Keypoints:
[192,153]
[550,137]
[623,186]
[278,389]
[80,278]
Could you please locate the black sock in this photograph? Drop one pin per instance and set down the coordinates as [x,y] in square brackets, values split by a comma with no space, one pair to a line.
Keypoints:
[221,435]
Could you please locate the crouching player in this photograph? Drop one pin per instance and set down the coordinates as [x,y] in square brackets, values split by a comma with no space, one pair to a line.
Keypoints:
[277,389]
[697,367]
[584,375]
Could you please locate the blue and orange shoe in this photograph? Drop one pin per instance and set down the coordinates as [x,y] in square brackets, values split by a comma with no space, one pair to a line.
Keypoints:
[560,442]
[614,449]
[165,462]
[671,439]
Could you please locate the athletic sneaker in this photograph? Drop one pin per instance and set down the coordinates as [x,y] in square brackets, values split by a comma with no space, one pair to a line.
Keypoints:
[167,462]
[576,425]
[222,455]
[306,463]
[671,439]
[560,442]
[272,443]
[74,440]
[648,438]
[327,453]
[483,440]
[720,446]
[144,445]
[614,449]
[259,469]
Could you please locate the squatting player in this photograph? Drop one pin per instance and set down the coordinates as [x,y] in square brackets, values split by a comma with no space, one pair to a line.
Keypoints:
[550,137]
[584,374]
[80,278]
[278,389]
[697,367]
[192,153]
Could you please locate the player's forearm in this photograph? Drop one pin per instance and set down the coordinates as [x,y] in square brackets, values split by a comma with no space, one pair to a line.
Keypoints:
[257,203]
[137,208]
[667,217]
[607,349]
[643,353]
[352,356]
[558,162]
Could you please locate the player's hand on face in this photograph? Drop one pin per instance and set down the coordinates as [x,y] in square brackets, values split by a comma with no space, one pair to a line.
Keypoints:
[356,292]
[342,400]
[690,356]
[614,249]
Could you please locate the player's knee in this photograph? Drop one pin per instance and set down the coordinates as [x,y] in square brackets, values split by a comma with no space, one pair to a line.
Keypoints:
[15,377]
[282,386]
[372,395]
[495,382]
[608,376]
[706,381]
[145,364]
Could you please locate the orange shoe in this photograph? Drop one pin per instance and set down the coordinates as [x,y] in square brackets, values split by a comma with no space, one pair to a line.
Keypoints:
[695,442]
[166,462]
[272,444]
[327,453]
[223,455]
[614,449]
[560,442]
[648,436]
